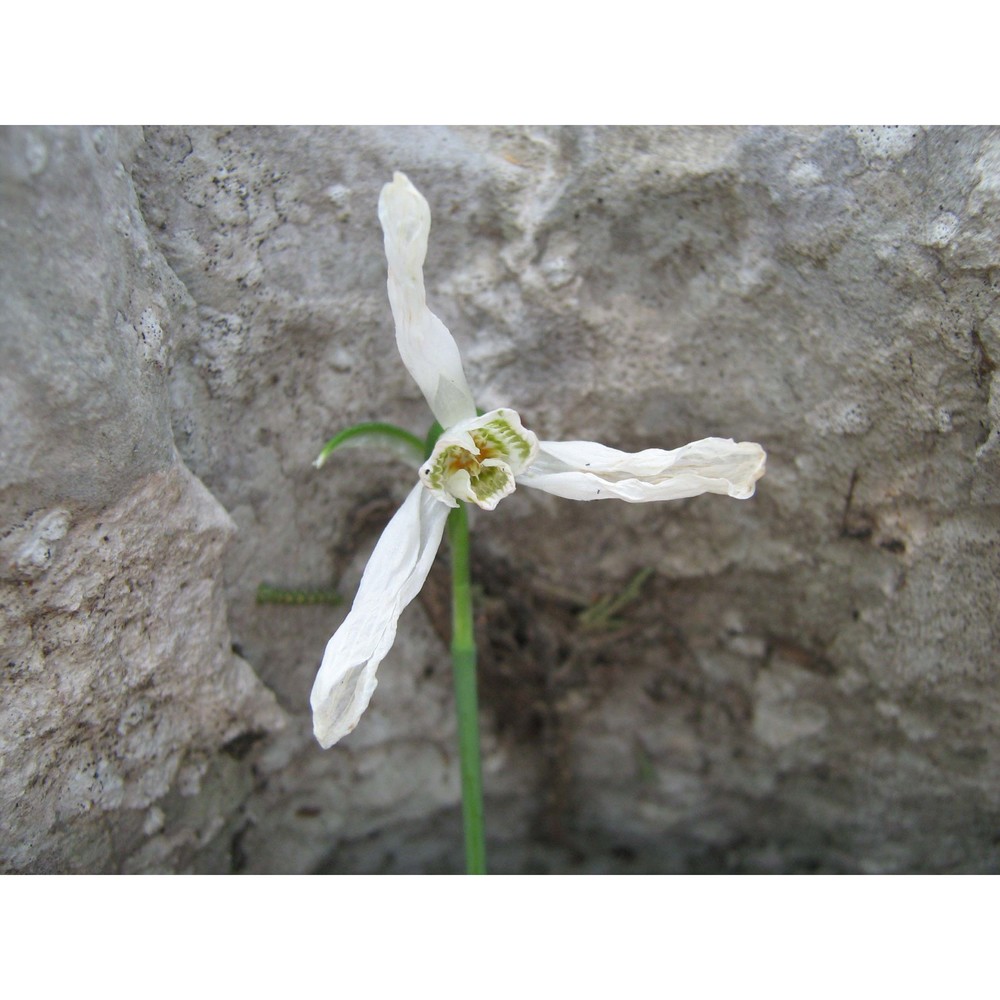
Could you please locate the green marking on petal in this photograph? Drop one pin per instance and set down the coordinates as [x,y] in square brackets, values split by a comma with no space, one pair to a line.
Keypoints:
[492,484]
[500,436]
[478,459]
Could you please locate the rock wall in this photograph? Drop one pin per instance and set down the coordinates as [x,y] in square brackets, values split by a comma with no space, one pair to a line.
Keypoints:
[802,682]
[123,703]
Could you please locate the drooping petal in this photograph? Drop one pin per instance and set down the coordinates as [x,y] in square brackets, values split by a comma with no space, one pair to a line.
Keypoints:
[427,348]
[393,577]
[585,470]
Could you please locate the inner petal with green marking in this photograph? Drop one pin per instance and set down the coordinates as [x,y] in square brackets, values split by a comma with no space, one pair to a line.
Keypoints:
[477,460]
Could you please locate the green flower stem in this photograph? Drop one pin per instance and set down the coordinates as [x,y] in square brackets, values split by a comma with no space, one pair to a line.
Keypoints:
[463,657]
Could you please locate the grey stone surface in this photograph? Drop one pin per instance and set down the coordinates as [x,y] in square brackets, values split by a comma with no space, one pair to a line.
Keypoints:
[121,695]
[803,682]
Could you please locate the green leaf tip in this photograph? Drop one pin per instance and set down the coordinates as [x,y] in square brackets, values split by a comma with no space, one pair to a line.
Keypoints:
[404,444]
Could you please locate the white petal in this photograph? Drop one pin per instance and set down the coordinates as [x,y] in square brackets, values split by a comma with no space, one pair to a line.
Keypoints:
[477,460]
[585,470]
[393,577]
[427,348]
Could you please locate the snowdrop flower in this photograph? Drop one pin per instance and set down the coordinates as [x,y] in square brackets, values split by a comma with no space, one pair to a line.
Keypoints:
[480,460]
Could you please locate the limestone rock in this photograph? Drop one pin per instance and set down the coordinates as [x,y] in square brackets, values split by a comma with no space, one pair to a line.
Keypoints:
[120,688]
[802,682]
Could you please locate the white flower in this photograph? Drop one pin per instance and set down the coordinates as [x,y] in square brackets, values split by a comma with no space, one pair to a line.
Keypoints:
[478,459]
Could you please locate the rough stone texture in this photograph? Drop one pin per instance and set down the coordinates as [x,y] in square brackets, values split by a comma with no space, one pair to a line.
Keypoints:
[122,702]
[802,682]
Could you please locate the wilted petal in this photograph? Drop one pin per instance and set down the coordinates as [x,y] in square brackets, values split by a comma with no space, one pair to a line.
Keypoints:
[427,348]
[393,577]
[585,470]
